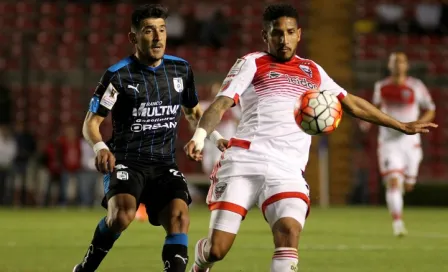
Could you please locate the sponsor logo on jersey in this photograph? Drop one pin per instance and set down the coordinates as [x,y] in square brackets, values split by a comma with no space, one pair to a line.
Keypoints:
[144,127]
[273,74]
[135,88]
[154,115]
[296,80]
[178,84]
[147,110]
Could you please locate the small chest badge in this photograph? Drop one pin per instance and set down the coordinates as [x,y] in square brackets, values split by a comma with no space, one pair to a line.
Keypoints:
[306,69]
[178,84]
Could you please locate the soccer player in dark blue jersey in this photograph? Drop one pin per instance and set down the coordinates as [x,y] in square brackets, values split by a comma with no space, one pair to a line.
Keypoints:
[145,94]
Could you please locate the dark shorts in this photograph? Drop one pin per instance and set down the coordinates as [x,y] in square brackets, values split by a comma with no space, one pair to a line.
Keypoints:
[154,185]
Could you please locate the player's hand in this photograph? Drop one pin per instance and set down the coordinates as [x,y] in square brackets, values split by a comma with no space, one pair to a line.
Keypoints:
[192,152]
[105,161]
[417,127]
[222,144]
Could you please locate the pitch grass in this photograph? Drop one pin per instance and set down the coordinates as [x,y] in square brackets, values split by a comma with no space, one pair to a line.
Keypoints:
[337,239]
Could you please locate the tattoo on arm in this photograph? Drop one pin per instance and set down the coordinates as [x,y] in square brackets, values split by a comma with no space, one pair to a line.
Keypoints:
[212,116]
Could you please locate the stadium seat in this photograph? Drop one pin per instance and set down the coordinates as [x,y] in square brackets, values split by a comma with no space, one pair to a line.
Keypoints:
[73,9]
[25,22]
[6,8]
[7,22]
[100,24]
[74,24]
[120,39]
[124,9]
[49,9]
[98,38]
[99,9]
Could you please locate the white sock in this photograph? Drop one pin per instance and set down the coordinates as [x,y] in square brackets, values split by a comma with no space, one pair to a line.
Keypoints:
[203,253]
[394,199]
[285,259]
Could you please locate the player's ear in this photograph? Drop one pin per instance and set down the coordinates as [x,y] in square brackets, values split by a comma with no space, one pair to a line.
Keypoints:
[299,34]
[264,35]
[132,37]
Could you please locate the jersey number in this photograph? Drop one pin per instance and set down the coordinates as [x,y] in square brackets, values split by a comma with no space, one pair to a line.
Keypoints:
[177,173]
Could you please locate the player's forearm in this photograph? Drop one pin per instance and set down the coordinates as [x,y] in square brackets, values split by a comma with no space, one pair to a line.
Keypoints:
[428,116]
[91,131]
[193,116]
[363,110]
[210,119]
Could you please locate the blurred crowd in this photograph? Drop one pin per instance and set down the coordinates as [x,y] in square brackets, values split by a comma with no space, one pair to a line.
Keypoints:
[41,175]
[425,17]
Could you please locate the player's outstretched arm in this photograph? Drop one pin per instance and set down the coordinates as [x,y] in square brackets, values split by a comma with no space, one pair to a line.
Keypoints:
[105,160]
[210,119]
[427,116]
[360,108]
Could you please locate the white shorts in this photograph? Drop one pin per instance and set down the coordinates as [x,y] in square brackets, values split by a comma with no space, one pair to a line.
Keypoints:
[400,160]
[276,198]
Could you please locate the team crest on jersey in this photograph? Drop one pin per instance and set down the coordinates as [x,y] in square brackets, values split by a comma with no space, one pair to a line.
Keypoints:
[406,94]
[219,189]
[306,69]
[122,175]
[178,84]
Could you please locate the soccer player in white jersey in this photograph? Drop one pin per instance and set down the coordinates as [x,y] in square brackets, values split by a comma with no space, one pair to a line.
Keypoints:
[399,155]
[263,163]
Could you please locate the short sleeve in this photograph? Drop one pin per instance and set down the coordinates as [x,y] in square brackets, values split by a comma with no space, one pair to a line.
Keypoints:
[425,99]
[189,95]
[376,99]
[328,84]
[105,95]
[238,79]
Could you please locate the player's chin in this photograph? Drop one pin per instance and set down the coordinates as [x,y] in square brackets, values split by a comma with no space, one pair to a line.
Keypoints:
[157,53]
[284,55]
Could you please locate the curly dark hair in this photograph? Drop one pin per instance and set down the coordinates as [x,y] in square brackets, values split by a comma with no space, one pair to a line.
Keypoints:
[147,11]
[275,11]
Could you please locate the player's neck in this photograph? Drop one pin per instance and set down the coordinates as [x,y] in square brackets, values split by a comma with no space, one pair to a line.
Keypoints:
[399,79]
[147,61]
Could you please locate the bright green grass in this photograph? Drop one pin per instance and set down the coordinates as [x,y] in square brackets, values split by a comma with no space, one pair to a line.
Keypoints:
[338,239]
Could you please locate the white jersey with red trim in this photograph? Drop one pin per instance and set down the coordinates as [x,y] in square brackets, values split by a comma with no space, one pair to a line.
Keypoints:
[403,102]
[268,140]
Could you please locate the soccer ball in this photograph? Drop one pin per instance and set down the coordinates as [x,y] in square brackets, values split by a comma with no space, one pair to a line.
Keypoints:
[317,112]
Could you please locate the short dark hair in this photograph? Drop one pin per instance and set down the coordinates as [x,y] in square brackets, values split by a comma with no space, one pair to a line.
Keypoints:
[147,11]
[275,11]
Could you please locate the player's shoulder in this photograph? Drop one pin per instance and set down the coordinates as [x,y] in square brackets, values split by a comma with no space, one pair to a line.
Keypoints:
[119,65]
[175,59]
[253,56]
[413,81]
[306,64]
[383,81]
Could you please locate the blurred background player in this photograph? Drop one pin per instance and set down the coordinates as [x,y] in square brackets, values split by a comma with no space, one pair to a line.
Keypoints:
[145,93]
[265,161]
[399,155]
[227,128]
